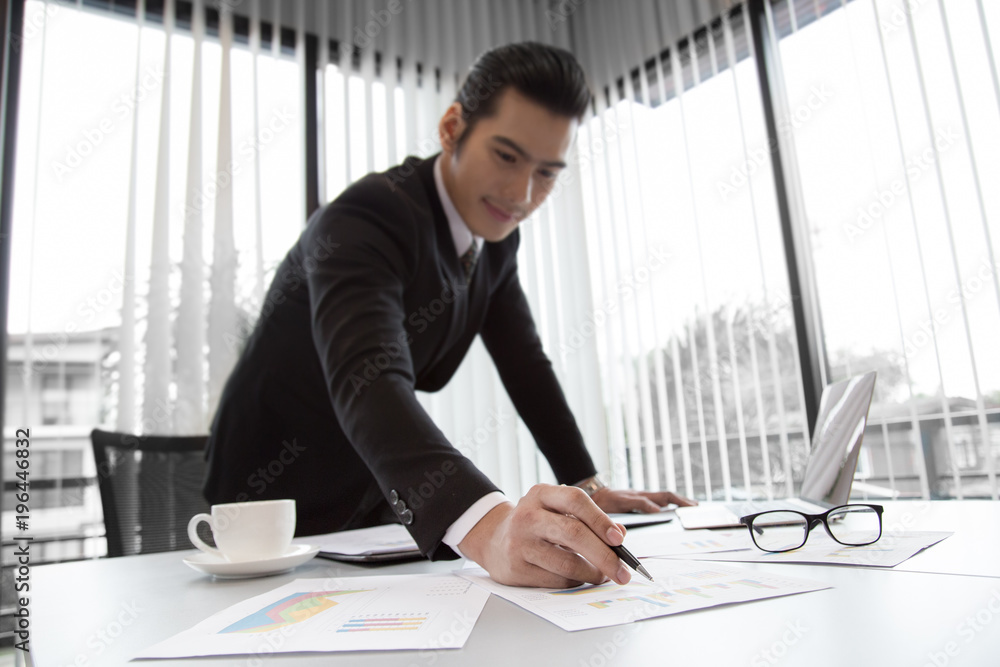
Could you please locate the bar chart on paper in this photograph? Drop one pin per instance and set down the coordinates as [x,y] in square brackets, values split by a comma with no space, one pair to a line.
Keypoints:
[678,586]
[384,623]
[289,610]
[345,614]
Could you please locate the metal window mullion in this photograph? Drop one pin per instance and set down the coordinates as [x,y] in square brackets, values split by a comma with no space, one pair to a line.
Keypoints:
[804,306]
[793,194]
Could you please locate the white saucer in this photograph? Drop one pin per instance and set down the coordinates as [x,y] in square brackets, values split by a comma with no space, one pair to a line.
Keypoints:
[219,567]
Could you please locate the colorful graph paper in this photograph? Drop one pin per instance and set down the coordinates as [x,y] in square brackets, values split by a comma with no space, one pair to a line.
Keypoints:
[292,609]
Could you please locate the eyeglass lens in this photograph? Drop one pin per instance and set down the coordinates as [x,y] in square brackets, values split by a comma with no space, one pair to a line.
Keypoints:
[853,525]
[779,531]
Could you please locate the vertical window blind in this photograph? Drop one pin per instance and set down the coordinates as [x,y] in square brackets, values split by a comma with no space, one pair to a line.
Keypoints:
[895,113]
[656,271]
[697,351]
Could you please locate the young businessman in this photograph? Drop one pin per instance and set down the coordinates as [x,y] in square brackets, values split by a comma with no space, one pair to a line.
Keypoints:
[382,295]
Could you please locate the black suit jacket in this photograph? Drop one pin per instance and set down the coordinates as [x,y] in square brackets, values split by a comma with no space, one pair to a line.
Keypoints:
[368,306]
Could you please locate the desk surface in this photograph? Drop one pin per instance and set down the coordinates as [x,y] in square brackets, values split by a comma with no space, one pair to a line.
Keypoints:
[106,611]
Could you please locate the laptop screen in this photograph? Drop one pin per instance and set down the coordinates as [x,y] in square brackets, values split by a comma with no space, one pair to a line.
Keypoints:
[836,442]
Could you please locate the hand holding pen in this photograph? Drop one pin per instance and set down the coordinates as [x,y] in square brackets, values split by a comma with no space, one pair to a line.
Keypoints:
[555,537]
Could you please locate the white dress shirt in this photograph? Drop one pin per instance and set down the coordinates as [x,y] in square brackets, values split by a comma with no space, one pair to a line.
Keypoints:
[463,238]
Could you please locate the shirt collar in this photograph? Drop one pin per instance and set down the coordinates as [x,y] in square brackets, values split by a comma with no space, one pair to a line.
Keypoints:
[460,232]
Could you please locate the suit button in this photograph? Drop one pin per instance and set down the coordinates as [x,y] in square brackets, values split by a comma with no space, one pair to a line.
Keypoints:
[393,497]
[406,516]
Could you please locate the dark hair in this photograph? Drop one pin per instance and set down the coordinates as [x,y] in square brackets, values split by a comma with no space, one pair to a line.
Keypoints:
[545,74]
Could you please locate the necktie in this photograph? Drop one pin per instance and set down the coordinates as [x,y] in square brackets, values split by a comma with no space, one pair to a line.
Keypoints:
[469,262]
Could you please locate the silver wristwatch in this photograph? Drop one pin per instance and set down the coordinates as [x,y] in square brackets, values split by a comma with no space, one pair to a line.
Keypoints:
[591,485]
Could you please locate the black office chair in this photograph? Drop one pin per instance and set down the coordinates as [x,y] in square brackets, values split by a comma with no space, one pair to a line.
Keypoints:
[150,487]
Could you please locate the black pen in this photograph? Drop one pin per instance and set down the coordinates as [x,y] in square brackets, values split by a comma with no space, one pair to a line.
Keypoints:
[631,560]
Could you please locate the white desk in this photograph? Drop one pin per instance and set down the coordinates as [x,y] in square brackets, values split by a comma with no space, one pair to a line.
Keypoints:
[106,611]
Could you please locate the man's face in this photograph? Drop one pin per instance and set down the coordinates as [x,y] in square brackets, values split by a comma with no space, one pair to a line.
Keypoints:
[507,165]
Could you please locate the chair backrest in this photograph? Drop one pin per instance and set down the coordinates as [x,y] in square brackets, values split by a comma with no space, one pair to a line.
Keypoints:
[150,487]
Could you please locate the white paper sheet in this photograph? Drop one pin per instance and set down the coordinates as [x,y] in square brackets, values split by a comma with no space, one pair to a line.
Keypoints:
[338,614]
[686,544]
[679,586]
[889,551]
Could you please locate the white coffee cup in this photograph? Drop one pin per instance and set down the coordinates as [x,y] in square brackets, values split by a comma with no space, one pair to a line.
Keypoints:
[247,531]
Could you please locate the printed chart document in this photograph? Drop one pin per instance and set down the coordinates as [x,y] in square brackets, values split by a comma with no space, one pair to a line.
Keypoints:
[687,544]
[889,551]
[679,586]
[338,614]
[375,544]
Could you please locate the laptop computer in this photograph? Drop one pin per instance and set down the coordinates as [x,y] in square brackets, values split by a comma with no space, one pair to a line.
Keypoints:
[836,444]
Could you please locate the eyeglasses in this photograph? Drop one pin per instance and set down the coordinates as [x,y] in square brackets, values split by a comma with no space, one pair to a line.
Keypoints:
[786,530]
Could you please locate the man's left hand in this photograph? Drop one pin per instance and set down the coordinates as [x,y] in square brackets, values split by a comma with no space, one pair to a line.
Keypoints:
[620,500]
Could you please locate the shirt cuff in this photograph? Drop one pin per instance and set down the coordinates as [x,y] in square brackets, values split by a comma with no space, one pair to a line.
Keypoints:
[458,530]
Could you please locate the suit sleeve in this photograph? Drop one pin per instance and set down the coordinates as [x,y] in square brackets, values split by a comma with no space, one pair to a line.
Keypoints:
[357,311]
[511,339]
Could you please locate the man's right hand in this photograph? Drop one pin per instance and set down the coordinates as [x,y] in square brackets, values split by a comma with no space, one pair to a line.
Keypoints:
[556,537]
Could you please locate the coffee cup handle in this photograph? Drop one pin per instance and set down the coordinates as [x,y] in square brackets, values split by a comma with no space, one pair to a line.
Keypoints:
[193,533]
